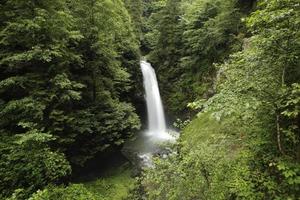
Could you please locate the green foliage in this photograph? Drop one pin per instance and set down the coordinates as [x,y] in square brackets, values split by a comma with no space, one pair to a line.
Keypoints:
[107,64]
[151,18]
[135,8]
[69,73]
[244,144]
[254,87]
[167,49]
[189,39]
[114,186]
[66,71]
[72,192]
[28,163]
[215,168]
[289,107]
[181,124]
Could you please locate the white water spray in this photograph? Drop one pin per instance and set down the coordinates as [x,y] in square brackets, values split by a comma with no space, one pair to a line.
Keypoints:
[156,117]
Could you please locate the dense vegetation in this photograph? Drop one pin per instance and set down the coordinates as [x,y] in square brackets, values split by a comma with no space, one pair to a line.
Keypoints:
[68,69]
[70,90]
[240,67]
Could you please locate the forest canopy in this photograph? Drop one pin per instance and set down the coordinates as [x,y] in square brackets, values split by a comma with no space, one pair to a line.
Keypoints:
[67,69]
[71,91]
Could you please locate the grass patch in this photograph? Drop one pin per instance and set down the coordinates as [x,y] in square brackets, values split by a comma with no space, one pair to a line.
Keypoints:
[200,129]
[115,185]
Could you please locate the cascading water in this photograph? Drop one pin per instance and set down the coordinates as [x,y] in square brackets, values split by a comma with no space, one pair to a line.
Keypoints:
[156,117]
[148,143]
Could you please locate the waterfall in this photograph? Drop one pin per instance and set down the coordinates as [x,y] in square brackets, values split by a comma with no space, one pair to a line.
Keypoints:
[148,142]
[156,116]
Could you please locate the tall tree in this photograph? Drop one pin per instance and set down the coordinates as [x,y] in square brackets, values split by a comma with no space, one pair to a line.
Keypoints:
[37,51]
[67,68]
[104,117]
[135,8]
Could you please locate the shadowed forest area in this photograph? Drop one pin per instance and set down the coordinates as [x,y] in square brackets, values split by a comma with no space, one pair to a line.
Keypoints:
[72,96]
